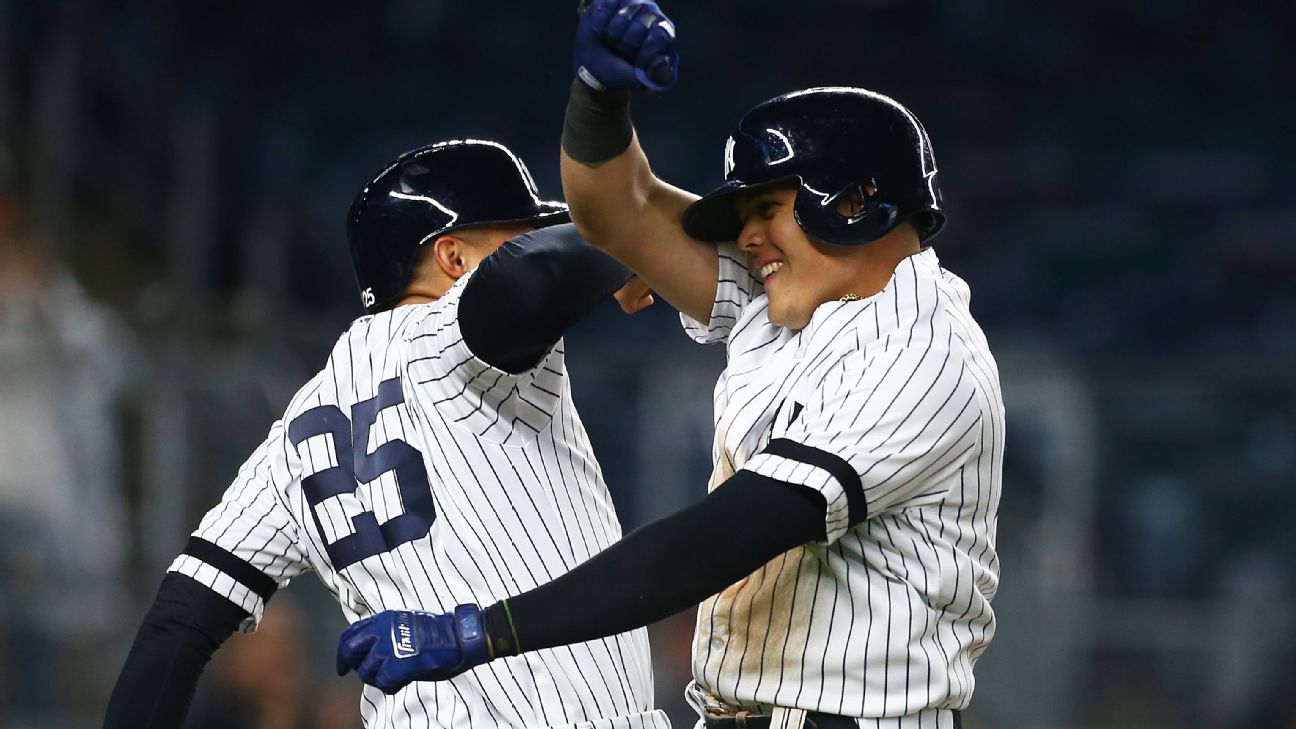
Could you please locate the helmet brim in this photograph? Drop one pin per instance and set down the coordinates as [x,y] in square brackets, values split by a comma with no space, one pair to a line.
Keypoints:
[549,209]
[547,213]
[551,213]
[713,217]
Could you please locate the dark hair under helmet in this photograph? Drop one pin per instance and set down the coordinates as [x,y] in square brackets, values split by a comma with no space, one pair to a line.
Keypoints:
[429,191]
[832,141]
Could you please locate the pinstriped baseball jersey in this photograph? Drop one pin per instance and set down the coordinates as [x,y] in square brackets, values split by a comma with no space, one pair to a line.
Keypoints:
[889,407]
[411,474]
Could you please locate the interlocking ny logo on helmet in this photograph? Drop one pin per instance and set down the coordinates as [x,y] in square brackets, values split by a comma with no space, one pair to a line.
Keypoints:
[832,141]
[429,191]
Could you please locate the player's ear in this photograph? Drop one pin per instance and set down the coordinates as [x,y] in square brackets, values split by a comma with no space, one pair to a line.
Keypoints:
[449,251]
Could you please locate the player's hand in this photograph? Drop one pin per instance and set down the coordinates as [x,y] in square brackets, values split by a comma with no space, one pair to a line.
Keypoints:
[635,296]
[626,46]
[395,647]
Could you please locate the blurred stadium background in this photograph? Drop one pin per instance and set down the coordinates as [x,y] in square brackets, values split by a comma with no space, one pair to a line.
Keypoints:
[173,180]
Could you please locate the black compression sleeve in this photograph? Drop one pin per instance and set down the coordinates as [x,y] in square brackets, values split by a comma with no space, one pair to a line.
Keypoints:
[526,294]
[187,623]
[597,126]
[664,567]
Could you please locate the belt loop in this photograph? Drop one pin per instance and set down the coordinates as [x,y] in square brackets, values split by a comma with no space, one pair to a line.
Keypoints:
[784,718]
[695,697]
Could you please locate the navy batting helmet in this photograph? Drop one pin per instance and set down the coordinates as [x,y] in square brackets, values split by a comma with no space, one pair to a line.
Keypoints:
[832,142]
[430,191]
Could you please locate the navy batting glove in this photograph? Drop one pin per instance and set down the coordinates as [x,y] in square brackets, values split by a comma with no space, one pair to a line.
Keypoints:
[395,647]
[626,46]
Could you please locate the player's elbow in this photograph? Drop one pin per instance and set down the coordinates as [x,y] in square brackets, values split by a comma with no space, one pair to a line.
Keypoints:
[592,228]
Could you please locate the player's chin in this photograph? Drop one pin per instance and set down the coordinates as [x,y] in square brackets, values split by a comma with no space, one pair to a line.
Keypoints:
[785,313]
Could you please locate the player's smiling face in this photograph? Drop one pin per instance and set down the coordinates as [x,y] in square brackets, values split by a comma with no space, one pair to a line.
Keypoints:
[799,273]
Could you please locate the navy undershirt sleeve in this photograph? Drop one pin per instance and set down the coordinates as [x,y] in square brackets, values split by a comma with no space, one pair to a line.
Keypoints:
[186,624]
[527,293]
[663,567]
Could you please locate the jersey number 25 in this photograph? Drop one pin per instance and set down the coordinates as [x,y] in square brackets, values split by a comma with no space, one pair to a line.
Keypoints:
[350,438]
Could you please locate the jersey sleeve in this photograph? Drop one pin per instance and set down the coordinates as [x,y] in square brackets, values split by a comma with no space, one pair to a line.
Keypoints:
[884,427]
[735,288]
[503,407]
[248,546]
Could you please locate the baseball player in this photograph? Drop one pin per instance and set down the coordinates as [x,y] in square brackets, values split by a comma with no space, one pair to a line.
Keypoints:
[437,459]
[844,558]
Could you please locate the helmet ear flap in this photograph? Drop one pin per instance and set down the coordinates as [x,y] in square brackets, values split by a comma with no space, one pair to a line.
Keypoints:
[853,215]
[853,202]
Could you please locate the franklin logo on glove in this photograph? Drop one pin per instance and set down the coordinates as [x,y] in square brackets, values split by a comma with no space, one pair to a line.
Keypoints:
[404,639]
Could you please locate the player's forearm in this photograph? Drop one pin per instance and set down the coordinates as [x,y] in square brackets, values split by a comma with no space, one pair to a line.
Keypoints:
[185,625]
[616,201]
[664,567]
[614,195]
[623,209]
[605,174]
[604,201]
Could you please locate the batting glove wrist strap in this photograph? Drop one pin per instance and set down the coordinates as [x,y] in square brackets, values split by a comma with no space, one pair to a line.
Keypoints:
[473,641]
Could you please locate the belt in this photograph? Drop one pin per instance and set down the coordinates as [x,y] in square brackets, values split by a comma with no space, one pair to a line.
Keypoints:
[813,720]
[746,720]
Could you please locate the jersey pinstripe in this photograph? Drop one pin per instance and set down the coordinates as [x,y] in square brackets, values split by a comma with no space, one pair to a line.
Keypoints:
[410,474]
[890,407]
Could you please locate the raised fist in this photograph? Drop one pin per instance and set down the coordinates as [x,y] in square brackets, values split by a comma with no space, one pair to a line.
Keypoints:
[626,46]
